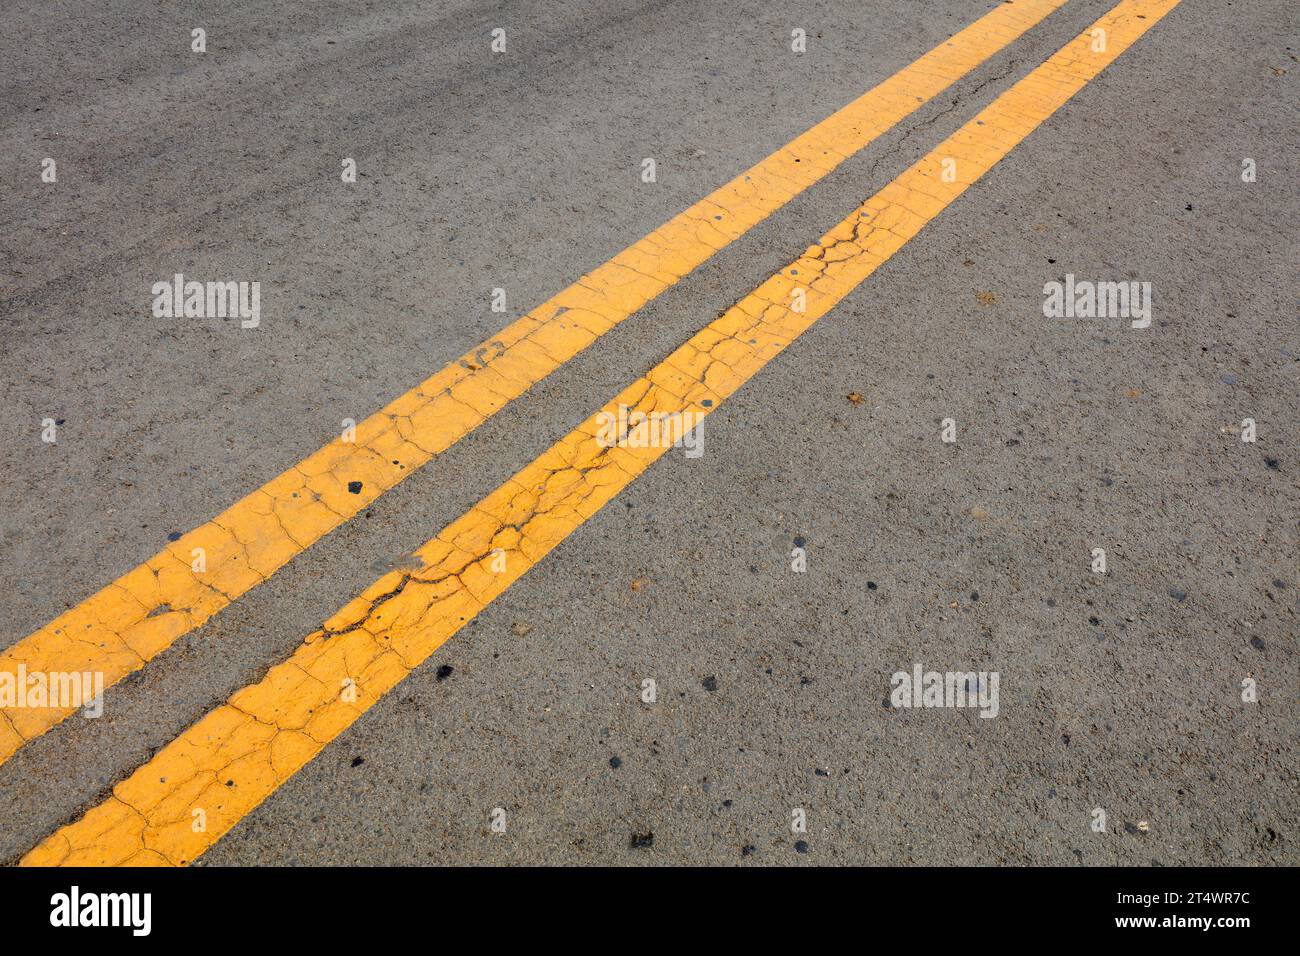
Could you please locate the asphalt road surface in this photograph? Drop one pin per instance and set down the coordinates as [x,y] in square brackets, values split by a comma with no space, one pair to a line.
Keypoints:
[692,661]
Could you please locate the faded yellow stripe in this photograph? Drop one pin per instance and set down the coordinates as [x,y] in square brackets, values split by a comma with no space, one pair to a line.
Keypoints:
[237,755]
[119,629]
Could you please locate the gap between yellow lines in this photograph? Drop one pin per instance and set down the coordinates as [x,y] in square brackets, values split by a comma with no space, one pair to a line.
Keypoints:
[236,756]
[120,628]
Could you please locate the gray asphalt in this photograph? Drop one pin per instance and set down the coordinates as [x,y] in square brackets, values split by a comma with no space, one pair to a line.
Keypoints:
[1118,692]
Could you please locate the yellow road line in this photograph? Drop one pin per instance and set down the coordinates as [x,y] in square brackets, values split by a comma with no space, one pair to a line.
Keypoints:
[120,628]
[236,756]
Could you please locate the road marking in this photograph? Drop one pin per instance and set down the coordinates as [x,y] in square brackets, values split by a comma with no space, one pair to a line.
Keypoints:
[119,629]
[237,755]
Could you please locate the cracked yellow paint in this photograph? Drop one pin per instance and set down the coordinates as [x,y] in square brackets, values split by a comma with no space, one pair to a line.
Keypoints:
[117,630]
[236,756]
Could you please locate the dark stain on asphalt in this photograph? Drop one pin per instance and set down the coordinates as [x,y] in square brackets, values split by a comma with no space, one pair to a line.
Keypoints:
[444,672]
[709,683]
[642,841]
[358,761]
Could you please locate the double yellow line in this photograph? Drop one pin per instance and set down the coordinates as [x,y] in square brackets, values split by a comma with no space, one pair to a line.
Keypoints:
[201,784]
[119,629]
